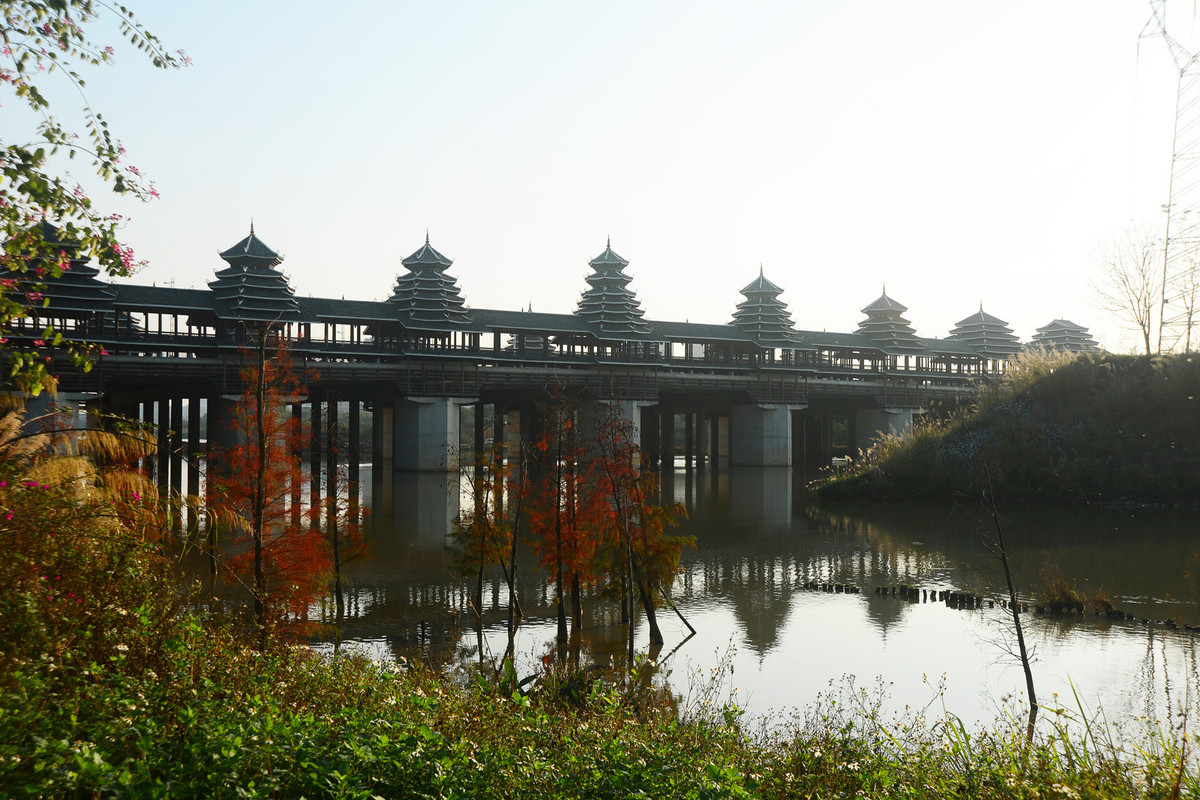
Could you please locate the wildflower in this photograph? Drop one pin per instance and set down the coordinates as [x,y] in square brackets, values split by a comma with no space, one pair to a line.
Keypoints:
[124,648]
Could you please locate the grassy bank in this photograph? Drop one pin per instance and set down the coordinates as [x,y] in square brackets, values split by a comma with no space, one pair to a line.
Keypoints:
[113,684]
[115,681]
[1100,428]
[227,721]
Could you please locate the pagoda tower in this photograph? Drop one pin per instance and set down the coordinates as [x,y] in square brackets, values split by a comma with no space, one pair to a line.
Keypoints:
[427,298]
[764,316]
[251,289]
[887,328]
[607,305]
[78,293]
[988,336]
[1062,334]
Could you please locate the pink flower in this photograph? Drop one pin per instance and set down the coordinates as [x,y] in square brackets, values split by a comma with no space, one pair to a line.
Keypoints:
[39,342]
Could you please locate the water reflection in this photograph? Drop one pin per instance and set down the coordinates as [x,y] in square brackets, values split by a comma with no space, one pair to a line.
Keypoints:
[762,546]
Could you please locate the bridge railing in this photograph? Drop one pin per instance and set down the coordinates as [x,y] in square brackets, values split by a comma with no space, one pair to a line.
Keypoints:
[628,375]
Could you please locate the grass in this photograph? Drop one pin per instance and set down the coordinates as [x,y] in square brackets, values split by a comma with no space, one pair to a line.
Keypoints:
[114,684]
[1088,429]
[228,721]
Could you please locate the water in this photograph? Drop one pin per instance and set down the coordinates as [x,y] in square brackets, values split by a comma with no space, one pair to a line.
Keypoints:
[776,644]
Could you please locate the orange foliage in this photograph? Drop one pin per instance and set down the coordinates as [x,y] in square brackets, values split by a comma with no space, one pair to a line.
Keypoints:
[280,555]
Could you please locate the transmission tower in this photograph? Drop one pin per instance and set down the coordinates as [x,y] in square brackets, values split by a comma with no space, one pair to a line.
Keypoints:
[1181,248]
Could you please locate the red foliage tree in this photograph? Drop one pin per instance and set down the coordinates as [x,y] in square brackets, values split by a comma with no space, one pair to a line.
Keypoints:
[595,518]
[566,512]
[280,556]
[639,553]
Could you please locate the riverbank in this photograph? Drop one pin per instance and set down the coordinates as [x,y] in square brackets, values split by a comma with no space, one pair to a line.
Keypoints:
[224,720]
[114,683]
[1117,430]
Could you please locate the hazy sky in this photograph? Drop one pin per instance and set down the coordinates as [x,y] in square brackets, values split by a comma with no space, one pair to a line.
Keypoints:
[954,152]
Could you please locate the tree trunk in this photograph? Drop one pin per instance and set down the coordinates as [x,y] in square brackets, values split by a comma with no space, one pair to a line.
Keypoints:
[558,547]
[337,564]
[576,602]
[258,513]
[479,583]
[656,636]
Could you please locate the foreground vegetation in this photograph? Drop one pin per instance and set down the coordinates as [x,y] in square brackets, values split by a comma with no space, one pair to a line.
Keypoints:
[115,682]
[1093,428]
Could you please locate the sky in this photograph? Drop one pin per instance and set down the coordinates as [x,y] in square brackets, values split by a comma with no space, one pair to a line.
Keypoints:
[958,154]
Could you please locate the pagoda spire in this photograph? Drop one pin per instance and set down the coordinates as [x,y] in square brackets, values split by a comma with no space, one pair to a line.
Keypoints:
[764,316]
[608,304]
[886,325]
[251,288]
[988,336]
[426,298]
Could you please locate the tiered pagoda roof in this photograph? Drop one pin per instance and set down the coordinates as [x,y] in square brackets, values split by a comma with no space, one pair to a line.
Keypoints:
[610,309]
[77,291]
[251,289]
[988,336]
[427,298]
[886,327]
[1062,334]
[764,316]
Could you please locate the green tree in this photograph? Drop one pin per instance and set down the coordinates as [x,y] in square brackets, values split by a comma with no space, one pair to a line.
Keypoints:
[47,218]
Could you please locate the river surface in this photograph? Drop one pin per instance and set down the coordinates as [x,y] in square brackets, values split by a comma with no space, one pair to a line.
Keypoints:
[768,641]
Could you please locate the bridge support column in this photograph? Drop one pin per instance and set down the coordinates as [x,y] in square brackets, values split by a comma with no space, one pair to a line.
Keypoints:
[761,436]
[704,453]
[666,429]
[715,439]
[871,423]
[316,429]
[354,456]
[383,432]
[652,436]
[689,440]
[427,433]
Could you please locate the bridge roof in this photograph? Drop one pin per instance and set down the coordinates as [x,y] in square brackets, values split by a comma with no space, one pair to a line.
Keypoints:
[698,332]
[318,310]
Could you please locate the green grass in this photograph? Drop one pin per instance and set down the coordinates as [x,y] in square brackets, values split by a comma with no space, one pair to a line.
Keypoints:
[113,683]
[227,721]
